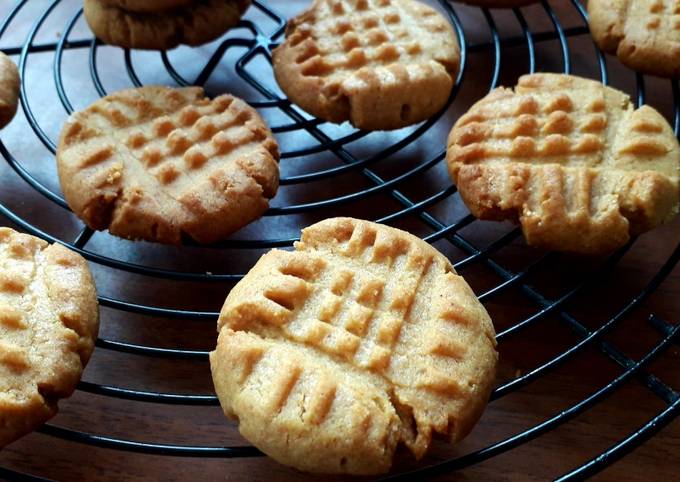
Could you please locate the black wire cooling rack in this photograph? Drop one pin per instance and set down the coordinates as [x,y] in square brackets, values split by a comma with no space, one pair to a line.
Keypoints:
[378,175]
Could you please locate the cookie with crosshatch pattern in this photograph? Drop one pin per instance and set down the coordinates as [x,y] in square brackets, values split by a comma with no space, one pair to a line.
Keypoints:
[643,34]
[381,64]
[9,89]
[49,321]
[572,160]
[362,339]
[164,164]
[193,24]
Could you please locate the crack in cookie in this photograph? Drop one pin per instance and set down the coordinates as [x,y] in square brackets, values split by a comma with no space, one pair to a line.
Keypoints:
[362,338]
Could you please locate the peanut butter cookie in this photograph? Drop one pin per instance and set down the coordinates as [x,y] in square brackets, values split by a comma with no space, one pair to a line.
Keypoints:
[163,164]
[194,24]
[49,321]
[361,339]
[572,160]
[644,34]
[381,64]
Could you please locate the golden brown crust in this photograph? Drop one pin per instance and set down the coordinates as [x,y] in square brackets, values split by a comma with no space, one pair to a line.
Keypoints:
[9,89]
[644,34]
[49,321]
[362,338]
[147,6]
[381,64]
[195,24]
[572,160]
[161,164]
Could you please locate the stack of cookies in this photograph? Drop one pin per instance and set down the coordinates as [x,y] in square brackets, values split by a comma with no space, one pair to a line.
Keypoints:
[162,24]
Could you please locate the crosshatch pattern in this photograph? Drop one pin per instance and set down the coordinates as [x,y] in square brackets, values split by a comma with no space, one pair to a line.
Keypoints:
[349,290]
[253,45]
[572,141]
[168,158]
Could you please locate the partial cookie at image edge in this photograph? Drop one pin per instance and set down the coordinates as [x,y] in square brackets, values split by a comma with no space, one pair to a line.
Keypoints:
[38,367]
[9,89]
[192,25]
[168,165]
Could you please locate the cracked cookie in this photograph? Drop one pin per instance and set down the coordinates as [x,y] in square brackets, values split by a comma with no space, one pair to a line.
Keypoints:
[380,64]
[572,160]
[49,321]
[164,164]
[362,339]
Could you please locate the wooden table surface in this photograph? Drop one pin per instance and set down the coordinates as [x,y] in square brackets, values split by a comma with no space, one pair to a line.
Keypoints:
[607,292]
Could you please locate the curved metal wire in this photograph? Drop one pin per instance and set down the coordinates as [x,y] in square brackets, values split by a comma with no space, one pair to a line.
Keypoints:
[496,38]
[58,56]
[564,44]
[15,476]
[531,49]
[147,447]
[23,57]
[601,62]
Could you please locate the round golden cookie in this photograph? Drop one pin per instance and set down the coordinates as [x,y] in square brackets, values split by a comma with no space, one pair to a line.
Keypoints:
[362,339]
[644,34]
[572,160]
[49,321]
[195,24]
[163,164]
[147,6]
[381,64]
[499,3]
[9,89]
